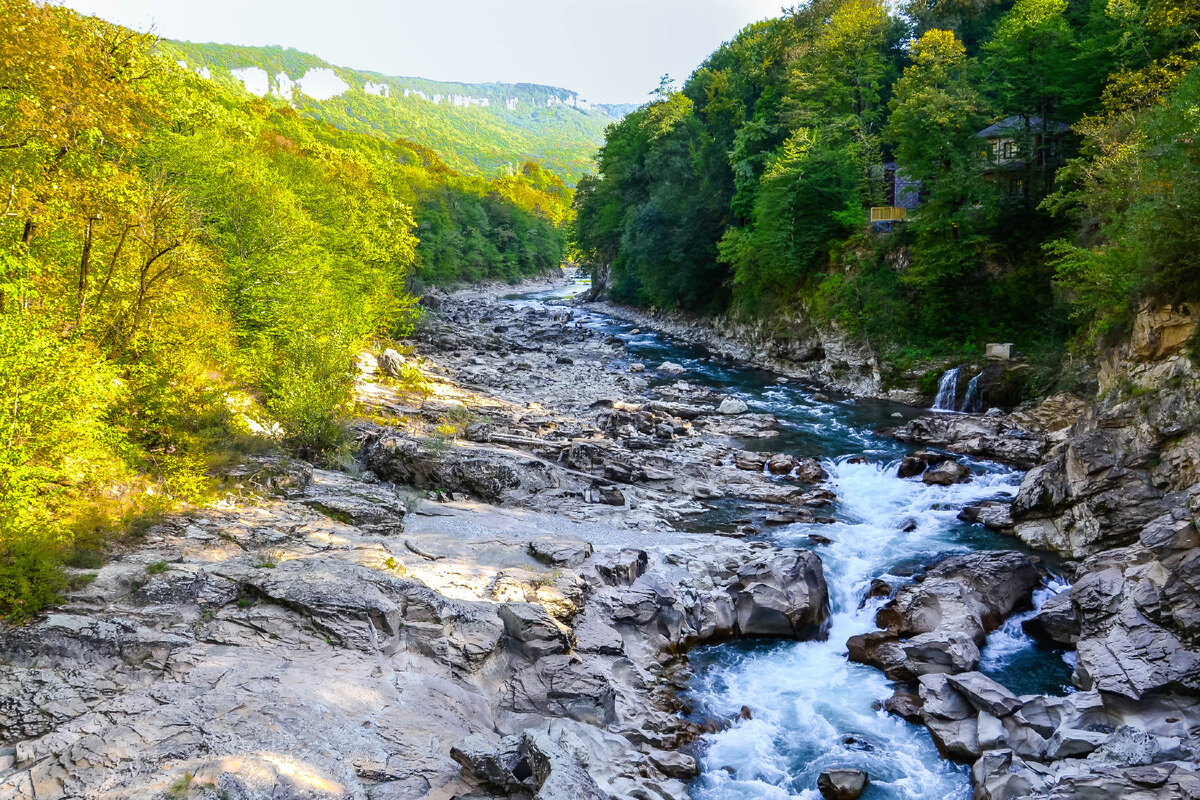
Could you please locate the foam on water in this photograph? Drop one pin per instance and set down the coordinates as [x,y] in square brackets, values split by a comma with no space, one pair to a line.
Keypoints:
[812,709]
[1018,662]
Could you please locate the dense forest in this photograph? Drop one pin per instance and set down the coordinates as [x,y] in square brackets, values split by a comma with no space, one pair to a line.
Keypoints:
[471,138]
[1040,152]
[183,264]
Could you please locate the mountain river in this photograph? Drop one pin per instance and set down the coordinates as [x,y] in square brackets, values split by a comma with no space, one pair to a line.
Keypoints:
[811,709]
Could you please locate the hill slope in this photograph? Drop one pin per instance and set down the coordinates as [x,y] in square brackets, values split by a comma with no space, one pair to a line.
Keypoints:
[475,128]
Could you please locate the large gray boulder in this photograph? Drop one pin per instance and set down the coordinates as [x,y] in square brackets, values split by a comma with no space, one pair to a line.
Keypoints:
[763,592]
[391,363]
[490,475]
[842,784]
[532,631]
[493,764]
[784,597]
[939,623]
[732,405]
[1056,624]
[946,474]
[556,774]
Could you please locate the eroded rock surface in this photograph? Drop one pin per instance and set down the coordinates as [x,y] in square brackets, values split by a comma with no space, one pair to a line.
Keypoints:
[423,628]
[1114,490]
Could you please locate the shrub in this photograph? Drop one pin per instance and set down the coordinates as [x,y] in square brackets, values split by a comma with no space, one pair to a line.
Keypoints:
[309,388]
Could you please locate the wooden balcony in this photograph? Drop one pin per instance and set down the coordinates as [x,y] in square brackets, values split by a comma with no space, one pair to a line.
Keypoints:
[888,214]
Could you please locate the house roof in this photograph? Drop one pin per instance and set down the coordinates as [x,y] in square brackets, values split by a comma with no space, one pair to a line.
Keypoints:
[1016,124]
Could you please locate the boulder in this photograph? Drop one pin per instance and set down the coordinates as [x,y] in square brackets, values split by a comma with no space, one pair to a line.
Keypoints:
[905,705]
[1073,743]
[490,763]
[612,496]
[811,471]
[560,552]
[1056,624]
[946,474]
[391,363]
[620,568]
[957,740]
[751,461]
[732,405]
[774,593]
[985,694]
[970,593]
[1001,438]
[425,464]
[532,631]
[995,515]
[916,463]
[938,624]
[785,597]
[940,651]
[940,699]
[671,368]
[842,784]
[781,464]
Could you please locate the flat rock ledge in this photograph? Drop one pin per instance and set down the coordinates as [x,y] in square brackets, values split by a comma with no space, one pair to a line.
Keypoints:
[273,650]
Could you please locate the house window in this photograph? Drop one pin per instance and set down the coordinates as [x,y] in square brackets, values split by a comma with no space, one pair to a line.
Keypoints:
[1016,186]
[1007,150]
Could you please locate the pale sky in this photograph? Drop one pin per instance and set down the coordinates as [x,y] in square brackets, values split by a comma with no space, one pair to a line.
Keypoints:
[610,51]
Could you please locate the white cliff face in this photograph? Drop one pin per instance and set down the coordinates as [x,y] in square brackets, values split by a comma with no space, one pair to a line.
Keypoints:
[377,89]
[321,84]
[511,103]
[457,100]
[572,100]
[255,79]
[284,86]
[204,73]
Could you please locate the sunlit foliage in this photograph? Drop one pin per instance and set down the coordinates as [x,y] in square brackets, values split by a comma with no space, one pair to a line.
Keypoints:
[178,261]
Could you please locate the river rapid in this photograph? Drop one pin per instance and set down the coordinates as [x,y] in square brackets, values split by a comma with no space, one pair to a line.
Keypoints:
[809,708]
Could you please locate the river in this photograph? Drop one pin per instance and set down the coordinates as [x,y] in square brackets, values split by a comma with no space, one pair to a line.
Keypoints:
[810,708]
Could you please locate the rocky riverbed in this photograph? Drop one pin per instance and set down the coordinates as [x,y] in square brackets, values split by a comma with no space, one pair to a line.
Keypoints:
[497,597]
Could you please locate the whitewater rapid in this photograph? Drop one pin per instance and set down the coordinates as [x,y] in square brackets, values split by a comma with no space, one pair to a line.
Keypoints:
[809,708]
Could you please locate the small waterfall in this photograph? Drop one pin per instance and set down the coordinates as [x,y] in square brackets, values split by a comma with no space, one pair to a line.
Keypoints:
[947,390]
[973,403]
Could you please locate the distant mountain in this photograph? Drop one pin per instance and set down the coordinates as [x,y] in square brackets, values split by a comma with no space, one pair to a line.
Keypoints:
[477,128]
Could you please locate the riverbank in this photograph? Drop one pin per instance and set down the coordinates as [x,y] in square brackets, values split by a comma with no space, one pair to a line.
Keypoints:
[494,599]
[789,347]
[495,593]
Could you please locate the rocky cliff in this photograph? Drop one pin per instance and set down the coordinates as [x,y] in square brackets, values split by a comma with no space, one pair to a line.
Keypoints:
[1114,491]
[790,345]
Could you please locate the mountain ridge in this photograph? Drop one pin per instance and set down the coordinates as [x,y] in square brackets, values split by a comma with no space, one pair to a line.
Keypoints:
[479,128]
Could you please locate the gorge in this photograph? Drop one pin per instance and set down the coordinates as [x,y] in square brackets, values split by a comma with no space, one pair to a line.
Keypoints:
[827,425]
[568,597]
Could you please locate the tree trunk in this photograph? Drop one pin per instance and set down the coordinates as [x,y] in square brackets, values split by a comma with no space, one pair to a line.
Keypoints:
[84,263]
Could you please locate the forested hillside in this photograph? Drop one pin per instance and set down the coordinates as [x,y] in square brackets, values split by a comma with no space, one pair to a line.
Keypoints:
[182,264]
[1042,153]
[477,128]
